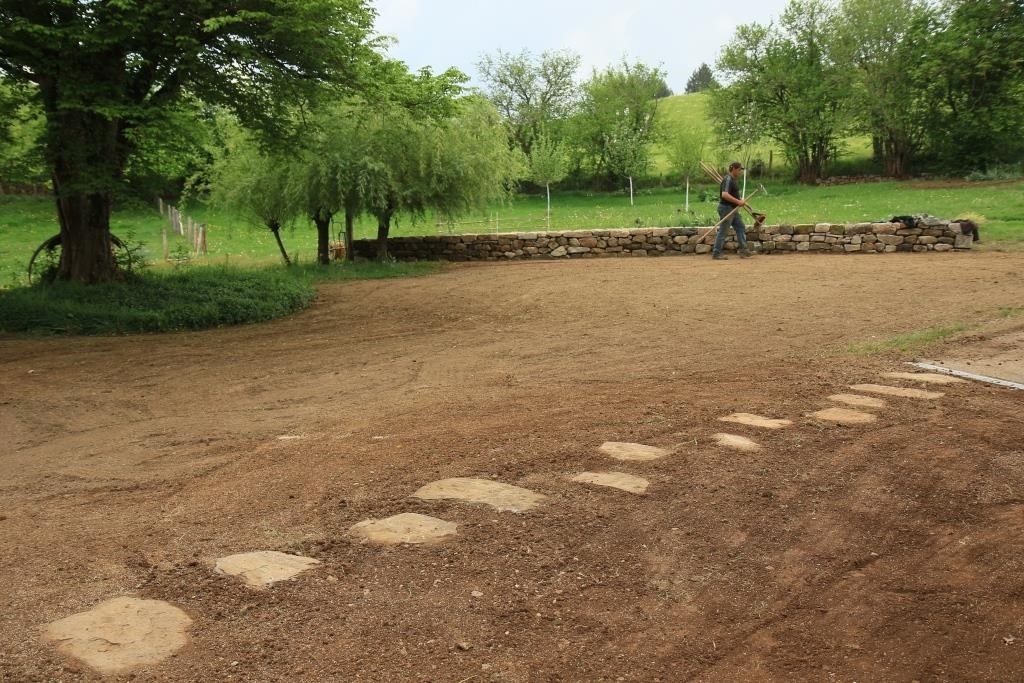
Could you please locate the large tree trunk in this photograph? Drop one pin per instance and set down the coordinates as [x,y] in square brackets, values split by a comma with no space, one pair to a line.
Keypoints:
[323,237]
[87,160]
[350,219]
[383,228]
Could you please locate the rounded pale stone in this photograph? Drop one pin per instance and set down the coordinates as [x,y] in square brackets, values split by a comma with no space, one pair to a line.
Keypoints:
[886,390]
[615,480]
[736,441]
[121,634]
[844,416]
[756,420]
[927,377]
[858,400]
[265,567]
[404,528]
[494,493]
[632,451]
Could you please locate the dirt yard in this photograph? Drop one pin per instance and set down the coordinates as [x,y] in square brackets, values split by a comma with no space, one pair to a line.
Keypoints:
[889,551]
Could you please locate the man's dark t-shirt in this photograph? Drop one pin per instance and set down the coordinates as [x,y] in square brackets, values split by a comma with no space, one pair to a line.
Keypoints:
[728,185]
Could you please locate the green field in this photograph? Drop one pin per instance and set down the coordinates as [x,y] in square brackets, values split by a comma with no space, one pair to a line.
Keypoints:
[26,221]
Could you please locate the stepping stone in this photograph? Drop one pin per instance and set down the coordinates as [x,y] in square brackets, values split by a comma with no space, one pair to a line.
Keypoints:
[632,451]
[494,493]
[858,400]
[896,391]
[615,480]
[756,421]
[404,528]
[741,443]
[844,416]
[927,377]
[121,634]
[264,568]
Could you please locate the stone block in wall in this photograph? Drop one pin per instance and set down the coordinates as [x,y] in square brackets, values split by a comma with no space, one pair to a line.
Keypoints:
[638,252]
[920,247]
[934,232]
[680,239]
[851,247]
[910,239]
[659,232]
[590,242]
[558,251]
[884,228]
[943,247]
[910,232]
[819,246]
[786,246]
[786,229]
[946,240]
[803,246]
[904,247]
[929,221]
[964,241]
[927,239]
[702,248]
[783,238]
[822,227]
[817,238]
[801,238]
[858,229]
[526,236]
[577,250]
[890,239]
[837,229]
[803,229]
[618,233]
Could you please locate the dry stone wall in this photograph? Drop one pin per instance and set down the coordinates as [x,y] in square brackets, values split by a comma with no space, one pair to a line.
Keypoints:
[929,234]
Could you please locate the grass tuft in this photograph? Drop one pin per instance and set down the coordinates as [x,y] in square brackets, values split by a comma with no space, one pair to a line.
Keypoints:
[910,342]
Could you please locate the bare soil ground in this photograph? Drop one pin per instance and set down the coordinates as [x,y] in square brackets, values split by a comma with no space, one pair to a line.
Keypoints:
[887,551]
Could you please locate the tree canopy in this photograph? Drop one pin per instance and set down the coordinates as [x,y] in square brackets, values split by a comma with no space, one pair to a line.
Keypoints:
[701,79]
[104,68]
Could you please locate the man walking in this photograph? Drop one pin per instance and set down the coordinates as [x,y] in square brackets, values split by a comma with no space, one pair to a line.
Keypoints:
[730,200]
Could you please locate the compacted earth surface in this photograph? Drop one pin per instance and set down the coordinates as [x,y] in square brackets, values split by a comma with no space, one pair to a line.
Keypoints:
[828,530]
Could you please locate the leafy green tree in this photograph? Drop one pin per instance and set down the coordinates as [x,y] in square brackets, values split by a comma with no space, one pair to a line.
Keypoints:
[21,130]
[876,38]
[784,83]
[255,184]
[966,62]
[617,120]
[687,148]
[532,94]
[701,79]
[104,69]
[549,163]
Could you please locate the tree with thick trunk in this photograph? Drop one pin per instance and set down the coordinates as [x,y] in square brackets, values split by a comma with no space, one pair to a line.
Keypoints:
[103,69]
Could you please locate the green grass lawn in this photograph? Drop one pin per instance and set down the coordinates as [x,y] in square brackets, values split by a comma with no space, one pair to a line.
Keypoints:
[26,221]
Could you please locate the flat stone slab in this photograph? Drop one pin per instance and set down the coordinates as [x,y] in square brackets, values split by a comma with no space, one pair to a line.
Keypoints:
[407,527]
[927,377]
[858,400]
[264,568]
[844,416]
[121,634]
[886,390]
[756,420]
[736,441]
[615,480]
[632,451]
[494,493]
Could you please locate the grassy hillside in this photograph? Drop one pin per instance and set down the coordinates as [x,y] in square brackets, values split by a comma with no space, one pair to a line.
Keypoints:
[687,115]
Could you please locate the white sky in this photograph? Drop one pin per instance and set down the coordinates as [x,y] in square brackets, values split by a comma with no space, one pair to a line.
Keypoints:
[677,36]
